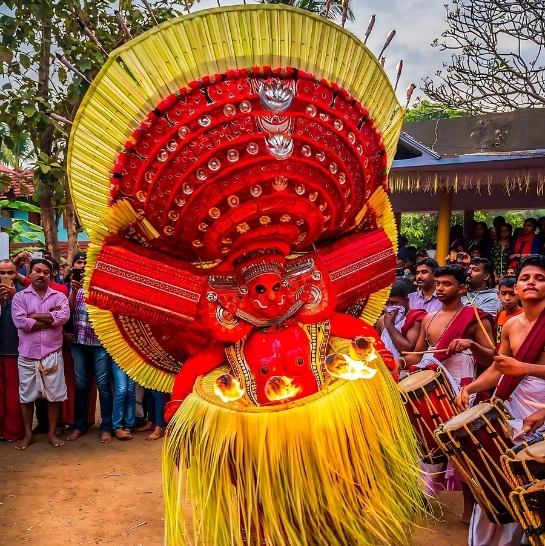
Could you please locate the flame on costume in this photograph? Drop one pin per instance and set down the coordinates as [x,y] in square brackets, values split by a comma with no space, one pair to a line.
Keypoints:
[280,388]
[343,367]
[228,388]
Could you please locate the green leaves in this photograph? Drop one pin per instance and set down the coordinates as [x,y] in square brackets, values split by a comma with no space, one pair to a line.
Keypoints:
[426,110]
[22,232]
[33,82]
[18,205]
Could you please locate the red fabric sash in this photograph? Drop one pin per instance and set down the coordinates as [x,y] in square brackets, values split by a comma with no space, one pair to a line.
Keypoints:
[529,351]
[458,328]
[414,316]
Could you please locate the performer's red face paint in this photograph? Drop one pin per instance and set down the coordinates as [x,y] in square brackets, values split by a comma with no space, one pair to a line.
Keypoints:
[267,296]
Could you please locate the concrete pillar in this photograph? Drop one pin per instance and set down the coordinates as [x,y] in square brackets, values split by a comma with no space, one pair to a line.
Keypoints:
[443,226]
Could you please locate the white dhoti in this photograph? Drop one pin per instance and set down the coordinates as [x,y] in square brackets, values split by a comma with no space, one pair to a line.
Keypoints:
[42,379]
[481,531]
[459,369]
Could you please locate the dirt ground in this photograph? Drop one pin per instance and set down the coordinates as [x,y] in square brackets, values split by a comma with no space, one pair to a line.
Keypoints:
[90,493]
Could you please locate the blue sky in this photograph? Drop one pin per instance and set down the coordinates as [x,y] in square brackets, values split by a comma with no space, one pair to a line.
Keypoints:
[417,23]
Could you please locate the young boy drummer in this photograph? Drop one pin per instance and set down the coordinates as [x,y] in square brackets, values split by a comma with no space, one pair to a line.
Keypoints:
[521,374]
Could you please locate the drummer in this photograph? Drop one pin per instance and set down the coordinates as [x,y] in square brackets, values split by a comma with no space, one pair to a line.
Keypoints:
[522,384]
[454,333]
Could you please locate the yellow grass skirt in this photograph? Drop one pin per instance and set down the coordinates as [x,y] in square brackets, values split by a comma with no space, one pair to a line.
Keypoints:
[337,468]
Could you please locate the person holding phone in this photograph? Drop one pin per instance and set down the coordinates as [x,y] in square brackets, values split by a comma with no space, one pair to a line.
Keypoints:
[90,358]
[11,424]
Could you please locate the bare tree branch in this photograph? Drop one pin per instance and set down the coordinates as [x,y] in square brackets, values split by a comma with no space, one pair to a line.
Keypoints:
[498,57]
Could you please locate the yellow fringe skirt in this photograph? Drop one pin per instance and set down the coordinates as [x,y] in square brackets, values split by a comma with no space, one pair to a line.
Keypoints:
[335,469]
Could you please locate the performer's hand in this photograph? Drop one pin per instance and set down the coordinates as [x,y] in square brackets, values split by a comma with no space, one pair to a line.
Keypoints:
[534,421]
[508,365]
[462,399]
[459,345]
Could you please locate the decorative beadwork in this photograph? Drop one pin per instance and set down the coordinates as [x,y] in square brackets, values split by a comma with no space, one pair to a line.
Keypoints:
[233,201]
[214,164]
[232,156]
[256,190]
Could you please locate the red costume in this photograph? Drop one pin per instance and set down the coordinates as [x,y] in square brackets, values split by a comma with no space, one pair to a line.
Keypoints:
[250,232]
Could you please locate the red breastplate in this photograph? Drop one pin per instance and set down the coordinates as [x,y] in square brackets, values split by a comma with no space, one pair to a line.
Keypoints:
[284,353]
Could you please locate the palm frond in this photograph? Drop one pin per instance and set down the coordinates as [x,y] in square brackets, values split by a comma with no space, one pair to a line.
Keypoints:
[318,7]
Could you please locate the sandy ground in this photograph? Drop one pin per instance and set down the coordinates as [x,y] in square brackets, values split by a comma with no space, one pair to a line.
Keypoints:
[90,493]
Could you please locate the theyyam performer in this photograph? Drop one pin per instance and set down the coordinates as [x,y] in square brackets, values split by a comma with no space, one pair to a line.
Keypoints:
[230,167]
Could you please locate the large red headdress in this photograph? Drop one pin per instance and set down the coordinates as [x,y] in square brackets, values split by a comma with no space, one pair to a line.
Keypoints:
[198,148]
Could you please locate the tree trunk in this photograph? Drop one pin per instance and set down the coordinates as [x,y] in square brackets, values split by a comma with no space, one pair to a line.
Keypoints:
[46,145]
[70,221]
[48,223]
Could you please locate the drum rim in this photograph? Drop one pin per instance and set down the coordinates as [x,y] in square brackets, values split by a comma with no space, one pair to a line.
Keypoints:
[477,416]
[492,414]
[517,450]
[428,387]
[434,375]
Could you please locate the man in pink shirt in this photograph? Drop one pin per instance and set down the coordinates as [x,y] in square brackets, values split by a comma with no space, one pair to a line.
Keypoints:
[39,313]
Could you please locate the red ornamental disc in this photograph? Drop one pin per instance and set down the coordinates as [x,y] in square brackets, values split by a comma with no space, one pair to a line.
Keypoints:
[249,154]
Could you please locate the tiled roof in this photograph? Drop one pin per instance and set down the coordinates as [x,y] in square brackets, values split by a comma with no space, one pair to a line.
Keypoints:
[21,183]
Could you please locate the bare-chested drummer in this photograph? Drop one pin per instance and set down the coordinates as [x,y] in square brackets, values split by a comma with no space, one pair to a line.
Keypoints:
[453,331]
[459,341]
[520,371]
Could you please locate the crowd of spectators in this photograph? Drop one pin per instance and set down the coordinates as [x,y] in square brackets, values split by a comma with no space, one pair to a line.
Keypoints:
[52,364]
[500,244]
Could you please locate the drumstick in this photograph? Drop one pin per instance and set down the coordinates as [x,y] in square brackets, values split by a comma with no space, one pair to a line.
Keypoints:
[534,404]
[537,405]
[480,322]
[431,351]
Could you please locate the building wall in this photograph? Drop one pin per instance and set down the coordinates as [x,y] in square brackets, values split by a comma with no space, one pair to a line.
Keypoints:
[512,131]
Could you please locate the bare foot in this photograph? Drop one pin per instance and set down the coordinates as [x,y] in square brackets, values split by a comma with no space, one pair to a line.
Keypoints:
[144,428]
[129,433]
[24,443]
[121,434]
[159,432]
[54,440]
[74,435]
[59,430]
[106,437]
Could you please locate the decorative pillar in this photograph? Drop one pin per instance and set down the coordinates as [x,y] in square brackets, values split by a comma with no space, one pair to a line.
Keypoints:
[443,226]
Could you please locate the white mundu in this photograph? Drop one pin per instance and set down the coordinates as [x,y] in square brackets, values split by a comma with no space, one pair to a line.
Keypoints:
[42,378]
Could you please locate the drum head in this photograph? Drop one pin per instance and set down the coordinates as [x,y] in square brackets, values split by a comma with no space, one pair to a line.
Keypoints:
[467,416]
[417,380]
[532,452]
